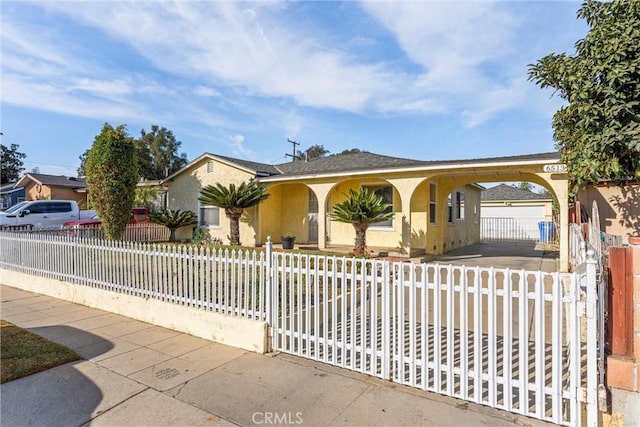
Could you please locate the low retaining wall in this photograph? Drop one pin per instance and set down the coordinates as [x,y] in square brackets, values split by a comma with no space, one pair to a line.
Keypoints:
[234,331]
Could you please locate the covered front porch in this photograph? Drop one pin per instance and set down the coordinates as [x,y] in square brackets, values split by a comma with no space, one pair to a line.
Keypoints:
[435,206]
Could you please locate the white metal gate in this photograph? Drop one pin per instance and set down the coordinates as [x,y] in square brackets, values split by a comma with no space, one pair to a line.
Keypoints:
[515,340]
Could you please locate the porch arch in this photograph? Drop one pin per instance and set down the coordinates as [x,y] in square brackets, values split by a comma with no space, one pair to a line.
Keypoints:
[340,234]
[448,181]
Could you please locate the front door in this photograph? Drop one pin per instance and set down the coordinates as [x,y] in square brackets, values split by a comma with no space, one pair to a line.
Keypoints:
[312,218]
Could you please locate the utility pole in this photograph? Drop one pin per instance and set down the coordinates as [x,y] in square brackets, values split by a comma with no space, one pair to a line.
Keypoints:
[293,156]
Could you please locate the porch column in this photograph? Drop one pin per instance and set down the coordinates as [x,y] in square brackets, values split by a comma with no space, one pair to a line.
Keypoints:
[405,188]
[560,186]
[322,194]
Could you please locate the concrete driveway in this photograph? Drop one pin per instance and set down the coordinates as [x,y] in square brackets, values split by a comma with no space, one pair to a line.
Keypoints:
[528,255]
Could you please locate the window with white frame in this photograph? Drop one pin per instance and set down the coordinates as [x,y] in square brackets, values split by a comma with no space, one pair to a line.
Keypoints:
[450,207]
[386,192]
[433,198]
[210,166]
[209,216]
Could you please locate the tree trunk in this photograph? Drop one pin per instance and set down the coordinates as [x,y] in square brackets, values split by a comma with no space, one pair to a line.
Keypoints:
[234,215]
[361,231]
[172,235]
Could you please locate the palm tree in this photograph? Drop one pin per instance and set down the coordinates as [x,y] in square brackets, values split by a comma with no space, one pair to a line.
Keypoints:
[361,209]
[146,196]
[174,219]
[234,200]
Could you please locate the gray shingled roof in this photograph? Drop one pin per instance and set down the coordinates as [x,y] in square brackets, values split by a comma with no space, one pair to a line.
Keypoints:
[365,161]
[506,192]
[259,168]
[362,161]
[345,163]
[58,180]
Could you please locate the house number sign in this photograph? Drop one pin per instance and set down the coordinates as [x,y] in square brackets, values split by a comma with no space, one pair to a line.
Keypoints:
[559,167]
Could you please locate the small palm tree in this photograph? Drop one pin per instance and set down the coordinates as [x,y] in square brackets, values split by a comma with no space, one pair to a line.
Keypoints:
[234,200]
[174,219]
[146,196]
[361,209]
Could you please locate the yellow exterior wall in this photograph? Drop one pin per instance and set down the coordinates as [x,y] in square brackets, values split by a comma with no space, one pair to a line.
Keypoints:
[270,214]
[285,212]
[184,191]
[464,232]
[419,219]
[344,234]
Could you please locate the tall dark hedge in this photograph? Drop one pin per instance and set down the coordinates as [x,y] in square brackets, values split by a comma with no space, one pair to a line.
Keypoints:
[112,175]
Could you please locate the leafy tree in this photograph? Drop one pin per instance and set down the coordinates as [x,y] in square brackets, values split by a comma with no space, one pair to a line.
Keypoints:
[174,219]
[361,209]
[234,200]
[112,174]
[157,154]
[10,163]
[351,151]
[82,171]
[598,131]
[315,152]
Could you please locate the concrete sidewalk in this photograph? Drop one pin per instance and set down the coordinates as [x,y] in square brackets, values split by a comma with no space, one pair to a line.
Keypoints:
[137,374]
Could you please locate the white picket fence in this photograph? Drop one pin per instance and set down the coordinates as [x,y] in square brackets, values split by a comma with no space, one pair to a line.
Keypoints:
[133,233]
[229,282]
[511,339]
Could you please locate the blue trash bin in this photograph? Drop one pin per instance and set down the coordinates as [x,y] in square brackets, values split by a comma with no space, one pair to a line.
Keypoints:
[546,231]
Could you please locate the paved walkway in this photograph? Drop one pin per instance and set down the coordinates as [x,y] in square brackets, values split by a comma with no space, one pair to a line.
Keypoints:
[136,374]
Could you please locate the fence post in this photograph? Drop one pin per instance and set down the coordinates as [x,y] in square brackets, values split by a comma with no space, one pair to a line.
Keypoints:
[592,338]
[269,294]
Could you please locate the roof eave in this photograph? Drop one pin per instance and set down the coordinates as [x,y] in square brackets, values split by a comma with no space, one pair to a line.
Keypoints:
[279,178]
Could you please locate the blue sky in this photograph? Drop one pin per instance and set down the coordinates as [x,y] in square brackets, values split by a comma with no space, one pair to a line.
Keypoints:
[416,79]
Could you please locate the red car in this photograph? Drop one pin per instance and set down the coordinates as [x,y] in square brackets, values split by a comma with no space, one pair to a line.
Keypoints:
[138,216]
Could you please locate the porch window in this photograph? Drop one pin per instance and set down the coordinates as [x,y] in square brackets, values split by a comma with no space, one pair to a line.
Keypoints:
[386,192]
[450,207]
[459,204]
[209,216]
[433,197]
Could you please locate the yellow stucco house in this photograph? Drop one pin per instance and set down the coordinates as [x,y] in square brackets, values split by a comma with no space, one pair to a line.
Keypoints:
[436,203]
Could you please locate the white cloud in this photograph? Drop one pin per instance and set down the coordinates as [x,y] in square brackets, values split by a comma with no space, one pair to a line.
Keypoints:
[236,142]
[460,47]
[205,91]
[249,51]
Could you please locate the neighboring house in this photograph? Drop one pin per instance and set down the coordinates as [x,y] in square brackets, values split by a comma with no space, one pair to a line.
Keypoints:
[513,213]
[10,195]
[618,207]
[436,203]
[155,194]
[41,186]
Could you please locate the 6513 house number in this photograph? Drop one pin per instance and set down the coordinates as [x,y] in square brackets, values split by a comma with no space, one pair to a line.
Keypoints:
[559,167]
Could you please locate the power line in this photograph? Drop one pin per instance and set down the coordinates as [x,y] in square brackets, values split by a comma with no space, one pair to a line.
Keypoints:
[293,156]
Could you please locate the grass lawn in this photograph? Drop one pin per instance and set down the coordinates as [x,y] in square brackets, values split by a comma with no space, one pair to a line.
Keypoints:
[25,353]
